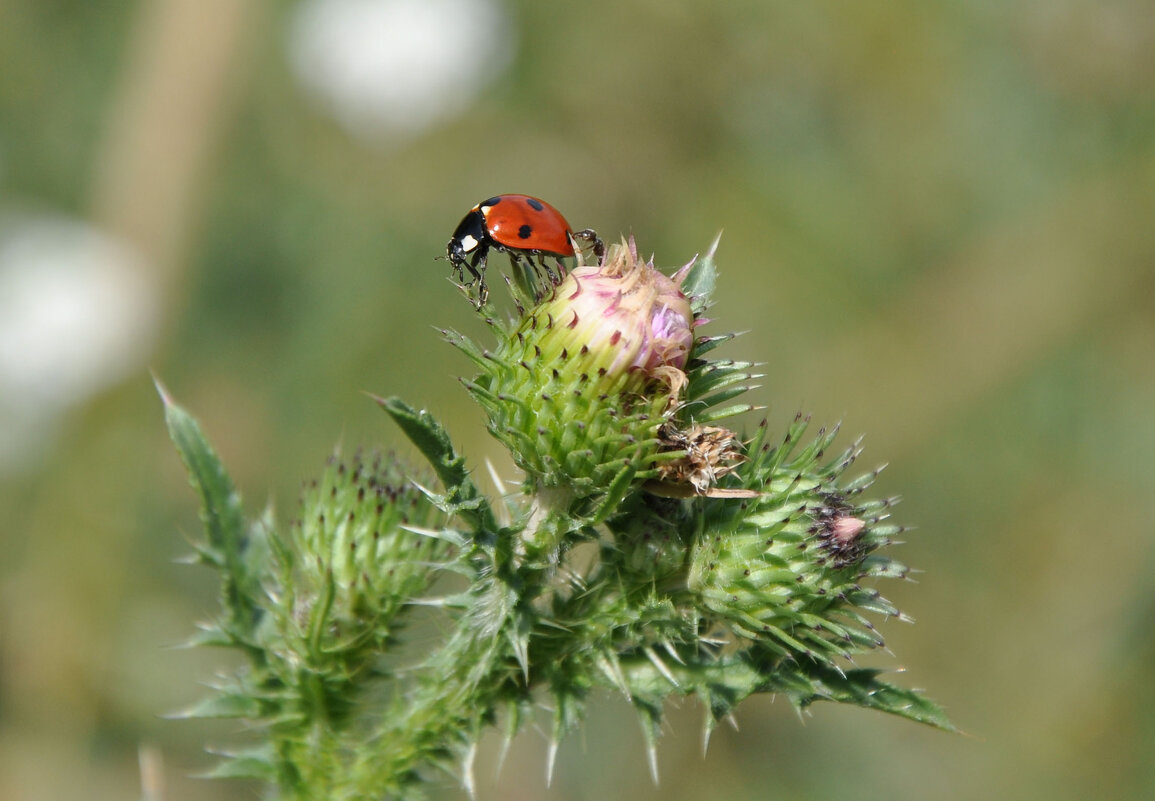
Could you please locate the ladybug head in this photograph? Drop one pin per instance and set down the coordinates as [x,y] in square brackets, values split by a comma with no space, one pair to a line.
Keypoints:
[469,238]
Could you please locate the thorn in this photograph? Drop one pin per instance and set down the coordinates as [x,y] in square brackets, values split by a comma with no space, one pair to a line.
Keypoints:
[502,753]
[446,535]
[550,761]
[467,779]
[443,601]
[503,517]
[428,493]
[613,671]
[661,666]
[673,654]
[520,647]
[161,389]
[714,245]
[652,758]
[681,273]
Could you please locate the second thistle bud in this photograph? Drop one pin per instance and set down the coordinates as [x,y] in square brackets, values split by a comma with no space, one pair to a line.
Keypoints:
[578,389]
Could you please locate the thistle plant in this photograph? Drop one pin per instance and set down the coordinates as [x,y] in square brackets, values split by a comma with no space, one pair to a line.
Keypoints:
[713,563]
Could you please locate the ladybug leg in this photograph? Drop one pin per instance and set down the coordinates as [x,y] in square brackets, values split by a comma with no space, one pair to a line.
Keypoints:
[477,267]
[457,262]
[543,276]
[460,264]
[554,278]
[531,263]
[561,270]
[591,236]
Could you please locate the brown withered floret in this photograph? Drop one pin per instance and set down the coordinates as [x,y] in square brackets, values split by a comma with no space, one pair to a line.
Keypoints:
[709,452]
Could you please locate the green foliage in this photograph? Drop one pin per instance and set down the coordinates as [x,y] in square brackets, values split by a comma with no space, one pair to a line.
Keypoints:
[755,577]
[231,546]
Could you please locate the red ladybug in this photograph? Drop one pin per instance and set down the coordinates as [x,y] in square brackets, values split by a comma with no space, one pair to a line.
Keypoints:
[524,227]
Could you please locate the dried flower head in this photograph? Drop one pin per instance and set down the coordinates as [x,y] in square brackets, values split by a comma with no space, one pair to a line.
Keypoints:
[706,454]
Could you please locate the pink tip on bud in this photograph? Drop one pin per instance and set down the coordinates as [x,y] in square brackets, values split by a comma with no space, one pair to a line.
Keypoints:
[845,530]
[630,314]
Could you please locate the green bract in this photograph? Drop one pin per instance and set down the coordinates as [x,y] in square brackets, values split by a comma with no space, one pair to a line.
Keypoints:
[578,386]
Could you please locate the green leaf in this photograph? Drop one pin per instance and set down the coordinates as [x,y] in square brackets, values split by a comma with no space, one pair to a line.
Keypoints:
[650,718]
[223,520]
[466,346]
[723,396]
[705,344]
[255,763]
[433,441]
[615,494]
[209,635]
[713,415]
[717,374]
[863,688]
[701,279]
[225,705]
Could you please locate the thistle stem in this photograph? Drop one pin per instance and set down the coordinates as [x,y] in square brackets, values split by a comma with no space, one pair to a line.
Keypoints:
[456,693]
[549,521]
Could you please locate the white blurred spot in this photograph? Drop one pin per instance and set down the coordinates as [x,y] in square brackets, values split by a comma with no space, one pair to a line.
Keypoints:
[77,313]
[394,67]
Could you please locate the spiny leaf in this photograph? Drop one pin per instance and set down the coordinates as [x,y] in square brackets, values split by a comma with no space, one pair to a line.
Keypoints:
[614,494]
[224,705]
[223,518]
[705,344]
[209,635]
[717,375]
[862,687]
[721,397]
[466,346]
[650,718]
[433,441]
[720,414]
[256,763]
[701,279]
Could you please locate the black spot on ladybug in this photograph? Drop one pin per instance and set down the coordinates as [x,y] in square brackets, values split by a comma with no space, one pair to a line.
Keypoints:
[525,232]
[535,204]
[493,201]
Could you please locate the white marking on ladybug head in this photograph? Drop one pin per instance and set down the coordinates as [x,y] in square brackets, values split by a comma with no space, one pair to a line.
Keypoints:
[468,243]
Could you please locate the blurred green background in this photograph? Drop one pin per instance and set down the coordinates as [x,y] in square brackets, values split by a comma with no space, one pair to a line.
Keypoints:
[939,227]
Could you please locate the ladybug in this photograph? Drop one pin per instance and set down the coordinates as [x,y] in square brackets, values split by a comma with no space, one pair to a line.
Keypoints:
[525,228]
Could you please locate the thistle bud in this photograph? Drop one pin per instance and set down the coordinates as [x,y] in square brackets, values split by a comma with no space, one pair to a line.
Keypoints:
[787,568]
[356,561]
[578,389]
[630,318]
